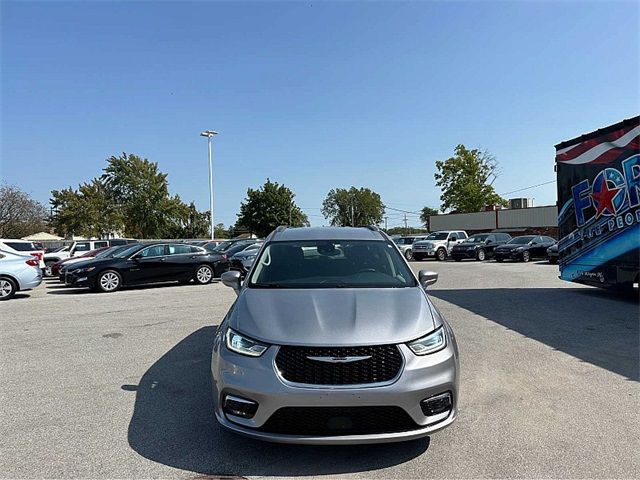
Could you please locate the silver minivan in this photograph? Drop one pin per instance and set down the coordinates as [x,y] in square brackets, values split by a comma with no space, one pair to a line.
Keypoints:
[333,340]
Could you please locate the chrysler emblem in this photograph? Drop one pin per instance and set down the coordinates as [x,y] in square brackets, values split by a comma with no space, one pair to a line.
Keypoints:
[340,359]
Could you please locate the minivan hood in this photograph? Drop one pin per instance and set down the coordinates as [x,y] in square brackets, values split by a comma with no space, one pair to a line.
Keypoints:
[334,316]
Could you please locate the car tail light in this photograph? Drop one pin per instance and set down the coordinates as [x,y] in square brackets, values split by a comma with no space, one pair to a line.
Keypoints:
[38,255]
[33,263]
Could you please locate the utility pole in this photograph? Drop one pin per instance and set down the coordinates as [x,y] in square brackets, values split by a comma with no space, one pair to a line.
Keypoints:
[405,223]
[385,223]
[353,222]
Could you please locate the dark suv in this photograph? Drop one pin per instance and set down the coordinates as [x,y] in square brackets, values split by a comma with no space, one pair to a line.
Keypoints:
[479,246]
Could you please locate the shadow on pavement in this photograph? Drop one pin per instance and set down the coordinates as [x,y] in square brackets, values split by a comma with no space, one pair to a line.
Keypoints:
[173,424]
[66,290]
[596,326]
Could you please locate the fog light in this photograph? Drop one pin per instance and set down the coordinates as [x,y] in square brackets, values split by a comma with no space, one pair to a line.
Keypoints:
[238,406]
[435,405]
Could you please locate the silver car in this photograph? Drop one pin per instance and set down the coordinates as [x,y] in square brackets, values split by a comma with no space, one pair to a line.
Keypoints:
[18,273]
[333,340]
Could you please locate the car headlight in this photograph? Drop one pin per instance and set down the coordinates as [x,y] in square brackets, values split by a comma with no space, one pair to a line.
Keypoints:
[243,345]
[519,249]
[84,270]
[430,343]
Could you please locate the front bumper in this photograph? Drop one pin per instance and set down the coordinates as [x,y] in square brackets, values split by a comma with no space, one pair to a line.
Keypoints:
[72,279]
[429,252]
[463,253]
[256,379]
[509,255]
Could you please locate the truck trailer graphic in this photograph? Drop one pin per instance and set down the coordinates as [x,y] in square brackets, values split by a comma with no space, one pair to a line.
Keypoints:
[599,206]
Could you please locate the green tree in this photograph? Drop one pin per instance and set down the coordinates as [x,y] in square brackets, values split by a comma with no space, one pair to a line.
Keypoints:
[425,213]
[131,198]
[20,214]
[268,207]
[466,181]
[353,207]
[142,191]
[89,211]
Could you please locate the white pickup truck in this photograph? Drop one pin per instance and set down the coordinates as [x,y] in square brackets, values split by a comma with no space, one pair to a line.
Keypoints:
[438,244]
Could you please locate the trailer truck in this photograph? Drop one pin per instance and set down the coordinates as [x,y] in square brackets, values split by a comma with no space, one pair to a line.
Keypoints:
[598,178]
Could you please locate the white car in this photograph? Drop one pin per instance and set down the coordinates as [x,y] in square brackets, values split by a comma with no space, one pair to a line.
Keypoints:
[22,247]
[438,244]
[18,273]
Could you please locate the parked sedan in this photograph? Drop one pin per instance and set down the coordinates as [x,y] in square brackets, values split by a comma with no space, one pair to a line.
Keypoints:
[17,273]
[524,248]
[138,264]
[479,247]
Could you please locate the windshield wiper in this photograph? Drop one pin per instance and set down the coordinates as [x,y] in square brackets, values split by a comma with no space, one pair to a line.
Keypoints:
[267,285]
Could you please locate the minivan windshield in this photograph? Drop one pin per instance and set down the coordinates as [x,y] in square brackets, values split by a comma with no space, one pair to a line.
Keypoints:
[520,240]
[331,264]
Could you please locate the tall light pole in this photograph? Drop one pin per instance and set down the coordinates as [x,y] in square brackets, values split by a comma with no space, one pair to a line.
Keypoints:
[209,134]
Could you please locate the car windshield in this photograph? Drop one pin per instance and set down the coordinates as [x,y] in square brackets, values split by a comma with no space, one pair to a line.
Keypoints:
[111,250]
[520,240]
[476,239]
[127,251]
[438,236]
[331,264]
[222,246]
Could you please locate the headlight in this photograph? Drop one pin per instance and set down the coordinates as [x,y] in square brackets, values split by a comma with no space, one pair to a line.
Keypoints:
[430,343]
[519,249]
[84,270]
[243,345]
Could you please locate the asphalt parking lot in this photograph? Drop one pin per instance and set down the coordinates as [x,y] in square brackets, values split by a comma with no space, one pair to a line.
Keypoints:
[117,385]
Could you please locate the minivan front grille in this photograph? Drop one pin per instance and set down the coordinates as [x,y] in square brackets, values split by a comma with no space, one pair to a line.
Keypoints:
[339,365]
[335,421]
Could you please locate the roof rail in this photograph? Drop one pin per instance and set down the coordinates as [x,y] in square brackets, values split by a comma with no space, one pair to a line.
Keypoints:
[372,227]
[281,228]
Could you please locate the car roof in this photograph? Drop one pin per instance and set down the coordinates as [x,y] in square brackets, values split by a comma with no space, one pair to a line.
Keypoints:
[283,234]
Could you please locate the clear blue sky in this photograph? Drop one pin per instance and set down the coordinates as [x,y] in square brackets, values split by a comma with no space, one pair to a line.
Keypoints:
[311,94]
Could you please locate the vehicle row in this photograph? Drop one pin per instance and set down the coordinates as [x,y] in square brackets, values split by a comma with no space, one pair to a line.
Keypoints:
[109,269]
[457,245]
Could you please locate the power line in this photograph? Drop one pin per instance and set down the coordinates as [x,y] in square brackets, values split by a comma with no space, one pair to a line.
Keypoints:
[527,188]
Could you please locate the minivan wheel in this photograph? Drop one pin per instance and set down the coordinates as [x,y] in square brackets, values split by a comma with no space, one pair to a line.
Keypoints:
[109,281]
[204,274]
[408,255]
[441,254]
[525,256]
[481,255]
[7,288]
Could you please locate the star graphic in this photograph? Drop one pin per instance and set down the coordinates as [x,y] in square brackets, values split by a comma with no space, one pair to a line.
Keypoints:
[604,199]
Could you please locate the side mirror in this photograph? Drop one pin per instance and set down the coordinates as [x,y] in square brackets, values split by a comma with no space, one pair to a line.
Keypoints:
[137,257]
[232,279]
[427,277]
